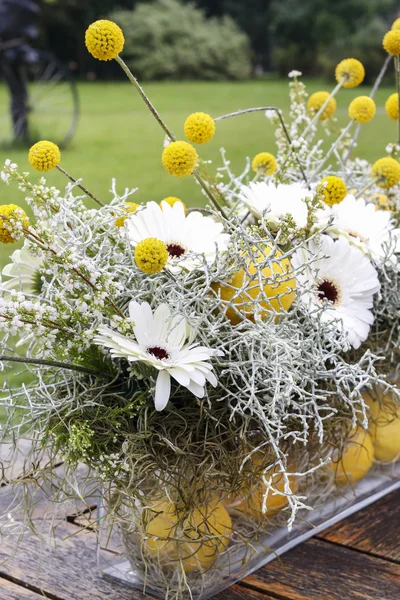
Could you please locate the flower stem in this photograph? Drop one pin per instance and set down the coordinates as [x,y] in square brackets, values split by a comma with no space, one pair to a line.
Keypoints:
[51,363]
[397,70]
[285,131]
[365,188]
[372,94]
[144,97]
[323,107]
[64,172]
[332,148]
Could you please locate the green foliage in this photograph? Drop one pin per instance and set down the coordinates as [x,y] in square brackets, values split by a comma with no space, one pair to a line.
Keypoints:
[169,40]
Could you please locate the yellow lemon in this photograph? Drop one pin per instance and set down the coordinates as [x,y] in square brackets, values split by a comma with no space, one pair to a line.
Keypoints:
[194,540]
[384,426]
[356,459]
[250,501]
[272,288]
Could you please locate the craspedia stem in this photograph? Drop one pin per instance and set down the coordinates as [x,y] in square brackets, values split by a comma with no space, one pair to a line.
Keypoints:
[80,186]
[397,71]
[323,107]
[144,97]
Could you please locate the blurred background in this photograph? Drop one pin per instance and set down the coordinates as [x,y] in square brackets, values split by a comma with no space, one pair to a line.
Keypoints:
[214,56]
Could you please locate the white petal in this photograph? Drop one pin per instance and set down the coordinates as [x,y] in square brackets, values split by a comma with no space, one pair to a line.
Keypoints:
[163,390]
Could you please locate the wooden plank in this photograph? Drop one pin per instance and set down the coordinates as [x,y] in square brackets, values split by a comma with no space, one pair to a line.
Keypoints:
[70,572]
[317,570]
[375,529]
[11,591]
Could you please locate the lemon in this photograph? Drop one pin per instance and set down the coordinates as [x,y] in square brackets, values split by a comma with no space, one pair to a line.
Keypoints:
[384,426]
[275,292]
[250,500]
[195,539]
[356,459]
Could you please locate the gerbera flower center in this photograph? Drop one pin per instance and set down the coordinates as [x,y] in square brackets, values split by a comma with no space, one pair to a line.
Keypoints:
[356,235]
[327,290]
[175,250]
[158,352]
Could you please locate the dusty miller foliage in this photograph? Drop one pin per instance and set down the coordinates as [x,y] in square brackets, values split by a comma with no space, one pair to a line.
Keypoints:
[285,385]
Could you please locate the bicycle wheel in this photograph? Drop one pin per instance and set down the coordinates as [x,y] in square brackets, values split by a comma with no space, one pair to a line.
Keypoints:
[52,105]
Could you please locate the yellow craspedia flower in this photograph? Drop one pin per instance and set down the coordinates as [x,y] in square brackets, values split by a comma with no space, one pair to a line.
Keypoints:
[44,156]
[171,200]
[362,109]
[12,221]
[104,40]
[317,100]
[352,70]
[392,107]
[386,171]
[381,201]
[151,255]
[264,163]
[199,128]
[333,189]
[129,207]
[391,42]
[396,24]
[179,159]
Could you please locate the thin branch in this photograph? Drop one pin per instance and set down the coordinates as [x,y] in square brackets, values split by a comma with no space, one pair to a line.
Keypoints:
[52,363]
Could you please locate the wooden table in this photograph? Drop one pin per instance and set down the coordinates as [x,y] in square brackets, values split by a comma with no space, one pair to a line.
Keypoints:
[358,559]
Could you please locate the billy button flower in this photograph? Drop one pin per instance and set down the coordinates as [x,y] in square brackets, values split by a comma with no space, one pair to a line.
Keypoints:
[352,71]
[151,255]
[317,100]
[44,156]
[123,213]
[264,163]
[396,24]
[333,190]
[171,201]
[13,220]
[104,40]
[362,109]
[199,128]
[392,107]
[386,171]
[179,159]
[391,42]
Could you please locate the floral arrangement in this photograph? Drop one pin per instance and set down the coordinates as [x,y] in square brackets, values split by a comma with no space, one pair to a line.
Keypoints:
[219,369]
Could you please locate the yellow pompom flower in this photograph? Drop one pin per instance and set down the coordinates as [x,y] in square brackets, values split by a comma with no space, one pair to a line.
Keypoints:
[391,42]
[179,159]
[44,156]
[317,100]
[199,128]
[13,219]
[352,71]
[396,24]
[151,255]
[386,171]
[392,107]
[104,40]
[129,207]
[333,189]
[362,109]
[264,163]
[171,200]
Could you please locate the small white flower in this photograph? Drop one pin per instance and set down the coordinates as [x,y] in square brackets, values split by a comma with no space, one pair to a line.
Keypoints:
[270,114]
[161,343]
[341,281]
[189,239]
[23,271]
[278,200]
[371,230]
[295,73]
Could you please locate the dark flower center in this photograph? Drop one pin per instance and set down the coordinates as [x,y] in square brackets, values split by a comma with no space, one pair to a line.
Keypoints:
[328,291]
[175,250]
[158,352]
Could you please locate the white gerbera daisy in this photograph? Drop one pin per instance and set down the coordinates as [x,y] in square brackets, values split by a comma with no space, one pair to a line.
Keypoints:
[24,271]
[371,230]
[189,239]
[161,343]
[342,282]
[278,200]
